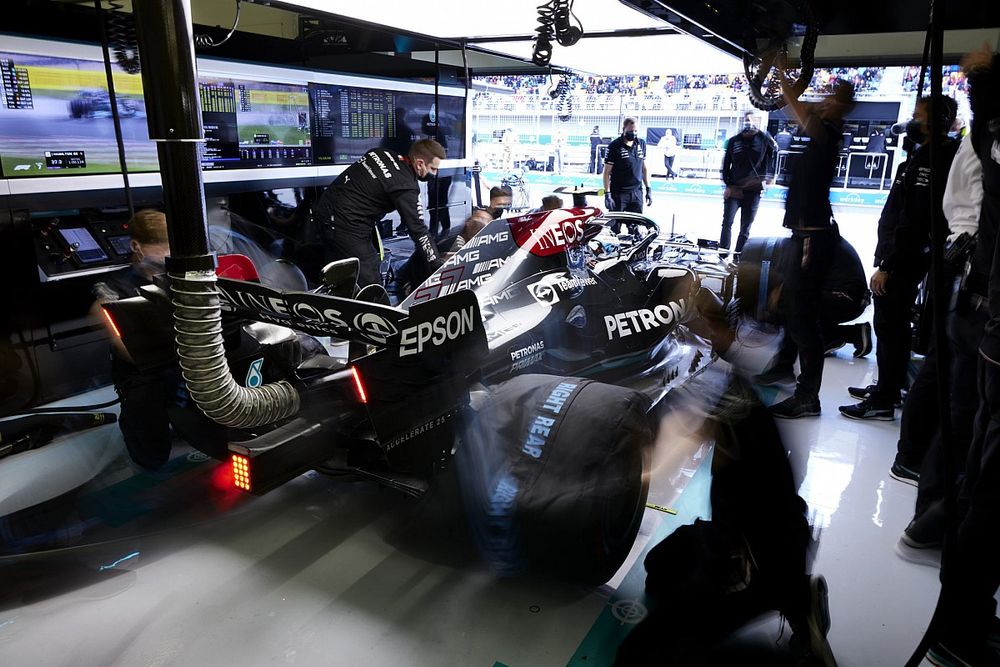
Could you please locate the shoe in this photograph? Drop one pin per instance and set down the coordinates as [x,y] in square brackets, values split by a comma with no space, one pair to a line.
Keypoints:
[868,410]
[831,347]
[864,345]
[775,376]
[861,393]
[919,555]
[795,407]
[812,635]
[927,530]
[901,473]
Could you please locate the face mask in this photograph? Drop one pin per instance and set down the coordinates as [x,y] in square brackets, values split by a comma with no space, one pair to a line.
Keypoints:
[747,127]
[630,135]
[497,211]
[915,132]
[426,177]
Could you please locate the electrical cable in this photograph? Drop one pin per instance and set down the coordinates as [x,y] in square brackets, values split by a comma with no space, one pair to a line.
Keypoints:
[67,408]
[122,39]
[554,24]
[205,41]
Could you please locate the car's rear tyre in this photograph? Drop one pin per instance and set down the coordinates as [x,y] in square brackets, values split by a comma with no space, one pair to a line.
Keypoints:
[562,493]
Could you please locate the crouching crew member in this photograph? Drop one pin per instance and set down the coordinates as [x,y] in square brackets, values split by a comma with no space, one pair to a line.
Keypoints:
[145,397]
[380,182]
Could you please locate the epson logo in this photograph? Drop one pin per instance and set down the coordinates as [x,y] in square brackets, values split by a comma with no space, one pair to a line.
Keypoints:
[437,332]
[381,165]
[632,322]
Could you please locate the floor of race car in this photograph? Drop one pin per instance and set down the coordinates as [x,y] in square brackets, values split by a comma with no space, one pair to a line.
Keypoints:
[180,569]
[321,571]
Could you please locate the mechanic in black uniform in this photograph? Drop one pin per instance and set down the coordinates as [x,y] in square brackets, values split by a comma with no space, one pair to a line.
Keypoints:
[747,166]
[903,258]
[351,207]
[625,173]
[595,143]
[814,239]
[970,573]
[845,297]
[145,397]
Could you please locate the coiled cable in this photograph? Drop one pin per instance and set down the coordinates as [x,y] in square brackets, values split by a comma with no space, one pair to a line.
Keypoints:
[564,100]
[206,42]
[122,39]
[554,24]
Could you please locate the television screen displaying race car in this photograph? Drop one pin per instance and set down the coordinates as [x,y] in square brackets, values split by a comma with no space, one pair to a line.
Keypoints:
[55,118]
[254,124]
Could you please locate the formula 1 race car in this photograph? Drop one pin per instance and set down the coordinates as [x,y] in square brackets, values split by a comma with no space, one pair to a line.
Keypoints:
[546,307]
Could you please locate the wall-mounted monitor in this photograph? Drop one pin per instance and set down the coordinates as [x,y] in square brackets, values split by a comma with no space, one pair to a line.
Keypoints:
[55,118]
[348,121]
[252,124]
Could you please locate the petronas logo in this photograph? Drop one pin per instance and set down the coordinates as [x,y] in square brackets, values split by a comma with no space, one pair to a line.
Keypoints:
[254,376]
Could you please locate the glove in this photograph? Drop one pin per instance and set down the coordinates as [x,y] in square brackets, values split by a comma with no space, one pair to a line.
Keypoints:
[649,197]
[609,201]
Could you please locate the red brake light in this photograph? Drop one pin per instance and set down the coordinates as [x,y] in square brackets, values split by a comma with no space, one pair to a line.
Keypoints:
[359,385]
[114,327]
[241,472]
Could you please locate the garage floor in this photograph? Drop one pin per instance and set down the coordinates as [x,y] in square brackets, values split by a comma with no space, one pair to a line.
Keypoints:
[177,569]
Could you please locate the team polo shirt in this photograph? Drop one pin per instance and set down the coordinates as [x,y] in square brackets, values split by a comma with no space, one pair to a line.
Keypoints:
[626,174]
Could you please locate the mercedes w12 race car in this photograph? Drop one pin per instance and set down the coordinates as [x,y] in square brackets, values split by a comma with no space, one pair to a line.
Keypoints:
[536,317]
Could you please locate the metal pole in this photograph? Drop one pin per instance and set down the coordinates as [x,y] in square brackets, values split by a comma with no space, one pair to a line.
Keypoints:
[173,111]
[939,298]
[113,100]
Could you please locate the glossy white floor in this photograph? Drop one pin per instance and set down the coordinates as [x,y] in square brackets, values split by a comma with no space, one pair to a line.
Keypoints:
[328,573]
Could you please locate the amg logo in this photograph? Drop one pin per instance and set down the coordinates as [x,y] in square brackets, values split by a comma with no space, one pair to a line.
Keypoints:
[381,165]
[461,258]
[494,299]
[442,329]
[635,321]
[466,284]
[486,239]
[488,265]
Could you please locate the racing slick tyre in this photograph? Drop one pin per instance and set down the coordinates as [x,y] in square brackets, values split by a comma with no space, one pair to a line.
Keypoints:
[554,475]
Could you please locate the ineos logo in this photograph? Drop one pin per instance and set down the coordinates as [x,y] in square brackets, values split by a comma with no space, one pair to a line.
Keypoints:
[375,327]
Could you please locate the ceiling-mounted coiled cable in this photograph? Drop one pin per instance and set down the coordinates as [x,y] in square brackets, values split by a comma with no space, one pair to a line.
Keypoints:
[206,42]
[121,38]
[563,99]
[554,24]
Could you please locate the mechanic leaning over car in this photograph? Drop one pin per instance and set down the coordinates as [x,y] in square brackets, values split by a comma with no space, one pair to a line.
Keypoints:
[625,173]
[381,181]
[809,216]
